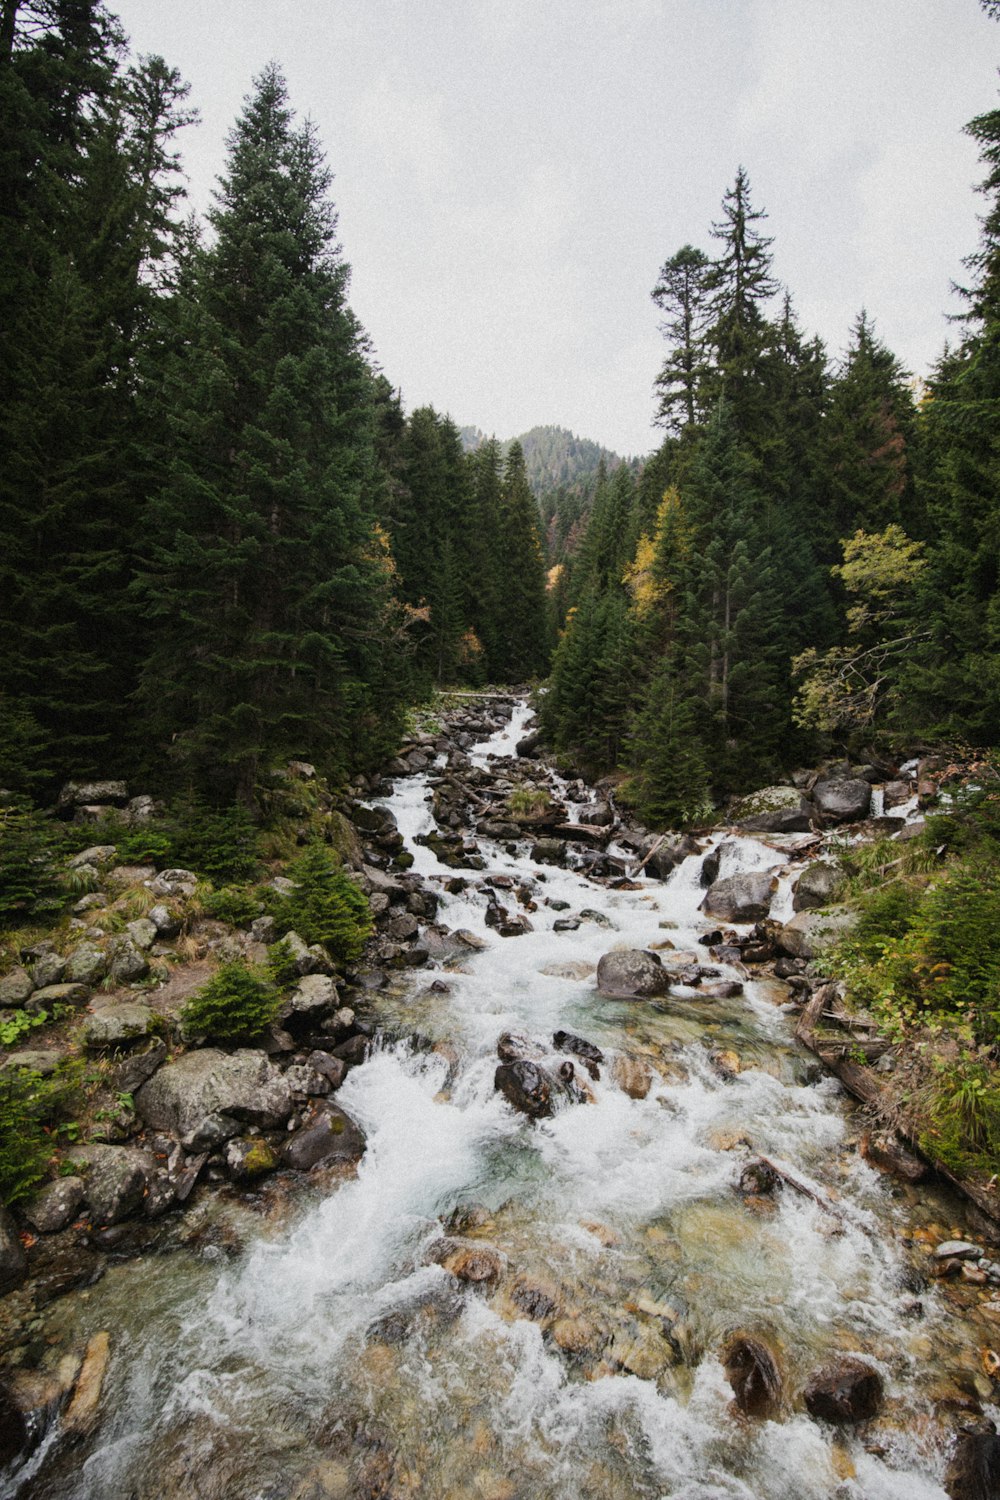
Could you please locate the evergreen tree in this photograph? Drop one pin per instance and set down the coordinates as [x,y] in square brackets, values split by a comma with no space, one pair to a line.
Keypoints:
[263,577]
[681,296]
[522,618]
[740,284]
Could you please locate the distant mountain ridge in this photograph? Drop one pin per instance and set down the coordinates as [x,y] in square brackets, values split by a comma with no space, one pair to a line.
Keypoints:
[555,458]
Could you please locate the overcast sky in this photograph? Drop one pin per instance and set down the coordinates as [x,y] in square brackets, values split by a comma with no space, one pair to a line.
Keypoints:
[511,174]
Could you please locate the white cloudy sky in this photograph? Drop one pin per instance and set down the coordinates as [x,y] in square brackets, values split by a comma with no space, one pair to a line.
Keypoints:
[511,174]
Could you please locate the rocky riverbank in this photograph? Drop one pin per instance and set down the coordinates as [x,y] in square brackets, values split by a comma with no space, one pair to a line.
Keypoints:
[173,1133]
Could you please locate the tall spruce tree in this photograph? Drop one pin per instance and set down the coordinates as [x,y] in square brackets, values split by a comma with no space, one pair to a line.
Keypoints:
[522,617]
[263,578]
[681,296]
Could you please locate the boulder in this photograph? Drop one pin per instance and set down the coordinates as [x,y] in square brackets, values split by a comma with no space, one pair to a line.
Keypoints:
[127,962]
[166,921]
[86,965]
[752,1371]
[527,1086]
[633,1075]
[35,1059]
[13,1261]
[848,1390]
[329,1136]
[143,933]
[549,851]
[744,897]
[88,793]
[468,1260]
[118,1025]
[667,854]
[843,800]
[631,974]
[599,814]
[565,1041]
[775,809]
[97,854]
[48,969]
[527,747]
[974,1470]
[174,883]
[55,1205]
[15,987]
[816,886]
[313,996]
[115,1180]
[249,1157]
[204,1096]
[809,932]
[58,994]
[83,1412]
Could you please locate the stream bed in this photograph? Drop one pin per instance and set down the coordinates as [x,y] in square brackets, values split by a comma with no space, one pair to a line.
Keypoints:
[322,1351]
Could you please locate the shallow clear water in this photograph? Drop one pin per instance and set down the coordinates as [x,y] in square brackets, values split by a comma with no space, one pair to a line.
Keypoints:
[329,1358]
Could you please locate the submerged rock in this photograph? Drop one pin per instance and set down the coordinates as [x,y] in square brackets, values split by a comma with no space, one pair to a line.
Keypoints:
[632,974]
[525,1085]
[752,1371]
[974,1470]
[848,1390]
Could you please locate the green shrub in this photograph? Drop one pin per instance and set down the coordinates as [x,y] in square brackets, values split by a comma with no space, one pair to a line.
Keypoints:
[30,879]
[234,905]
[29,1103]
[964,1117]
[281,965]
[326,906]
[238,1002]
[218,842]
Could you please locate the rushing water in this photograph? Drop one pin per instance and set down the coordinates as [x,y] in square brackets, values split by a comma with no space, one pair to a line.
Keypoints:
[330,1359]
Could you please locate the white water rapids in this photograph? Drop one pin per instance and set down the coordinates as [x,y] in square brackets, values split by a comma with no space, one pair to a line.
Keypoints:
[329,1360]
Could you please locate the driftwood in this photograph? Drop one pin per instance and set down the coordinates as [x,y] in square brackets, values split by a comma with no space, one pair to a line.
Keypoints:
[861,1082]
[801,1187]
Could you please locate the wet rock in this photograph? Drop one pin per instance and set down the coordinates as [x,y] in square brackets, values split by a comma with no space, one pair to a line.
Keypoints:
[115,1180]
[84,1407]
[631,974]
[775,809]
[663,856]
[632,1075]
[117,1025]
[565,1041]
[249,1157]
[887,1151]
[14,1435]
[526,1086]
[549,851]
[328,1136]
[354,1051]
[722,989]
[13,1262]
[816,886]
[333,1069]
[55,1205]
[205,1094]
[598,814]
[512,1046]
[526,748]
[809,932]
[957,1250]
[842,801]
[15,987]
[759,1179]
[726,1063]
[469,939]
[475,1263]
[848,1390]
[566,924]
[745,897]
[752,1371]
[570,968]
[974,1470]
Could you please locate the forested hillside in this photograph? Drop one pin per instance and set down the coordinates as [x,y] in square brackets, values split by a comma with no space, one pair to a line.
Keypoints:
[811,557]
[222,541]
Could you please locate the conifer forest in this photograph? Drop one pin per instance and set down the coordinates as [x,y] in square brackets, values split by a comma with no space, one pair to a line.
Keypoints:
[448,739]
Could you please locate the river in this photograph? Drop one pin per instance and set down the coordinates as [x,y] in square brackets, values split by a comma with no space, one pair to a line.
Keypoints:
[325,1357]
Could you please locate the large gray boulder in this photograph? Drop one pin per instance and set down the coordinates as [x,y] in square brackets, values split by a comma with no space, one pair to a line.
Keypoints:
[118,1025]
[204,1097]
[774,809]
[86,793]
[843,801]
[549,851]
[667,854]
[114,1181]
[816,886]
[87,965]
[744,897]
[54,1205]
[632,974]
[809,932]
[15,987]
[127,963]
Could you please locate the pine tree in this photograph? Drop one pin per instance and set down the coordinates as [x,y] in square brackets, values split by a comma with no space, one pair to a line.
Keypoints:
[681,296]
[740,284]
[522,619]
[264,579]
